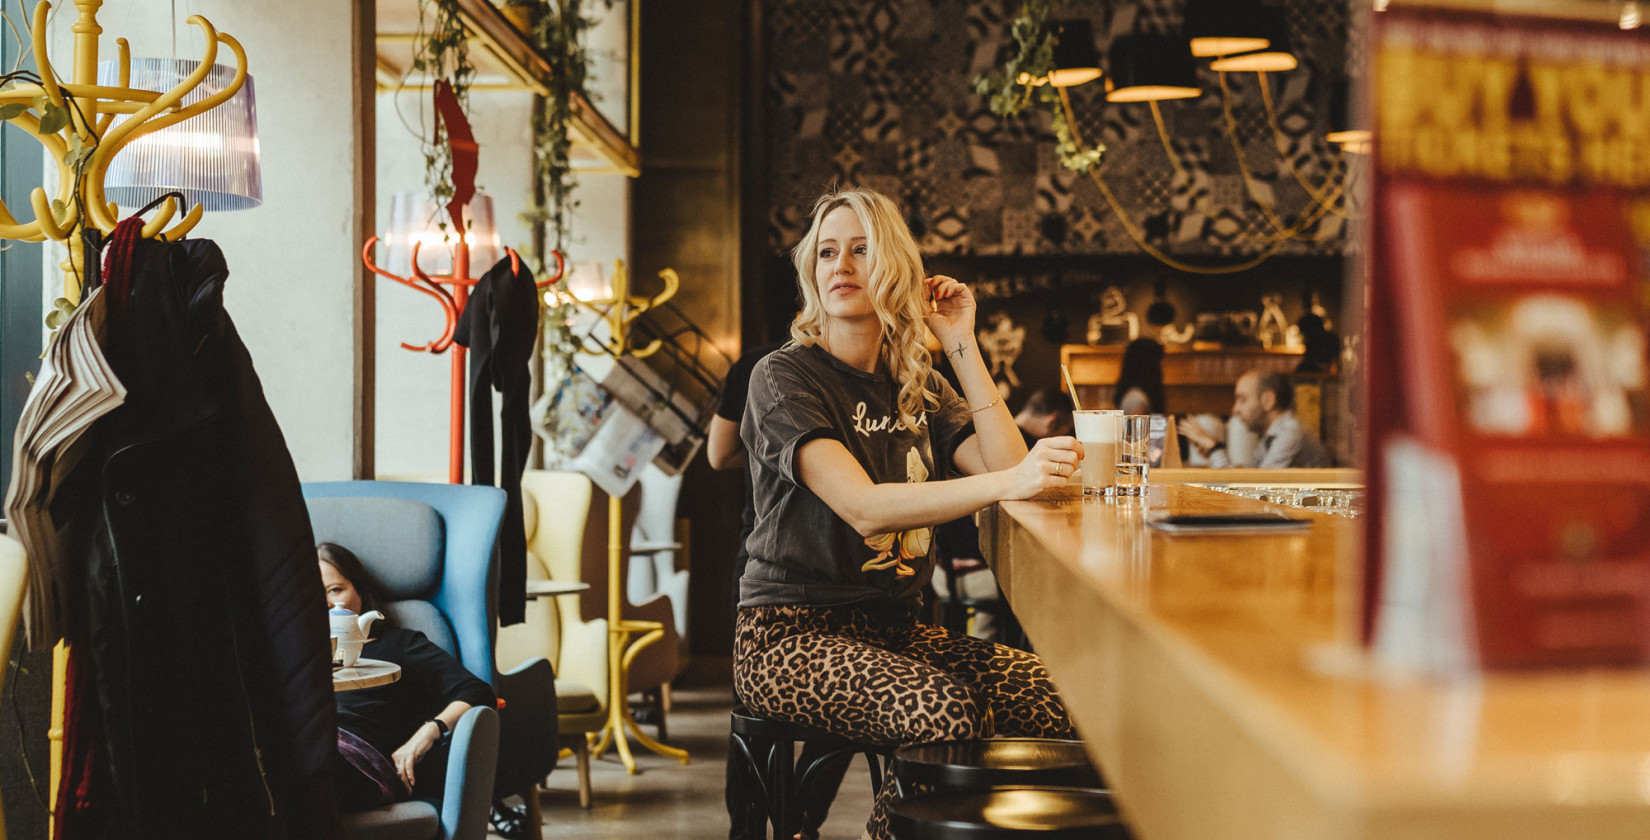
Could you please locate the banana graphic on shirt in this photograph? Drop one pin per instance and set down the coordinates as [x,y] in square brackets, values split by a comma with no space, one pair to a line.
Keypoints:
[893,549]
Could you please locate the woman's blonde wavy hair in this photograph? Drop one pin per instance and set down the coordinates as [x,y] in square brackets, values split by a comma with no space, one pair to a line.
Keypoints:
[896,287]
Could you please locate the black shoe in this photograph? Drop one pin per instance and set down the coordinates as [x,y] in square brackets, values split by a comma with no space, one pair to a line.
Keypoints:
[510,822]
[645,713]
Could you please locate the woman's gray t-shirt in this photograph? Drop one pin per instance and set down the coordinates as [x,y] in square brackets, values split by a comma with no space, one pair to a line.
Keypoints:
[801,552]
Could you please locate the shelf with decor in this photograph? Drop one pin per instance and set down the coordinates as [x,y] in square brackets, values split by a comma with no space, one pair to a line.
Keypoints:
[509,61]
[1198,380]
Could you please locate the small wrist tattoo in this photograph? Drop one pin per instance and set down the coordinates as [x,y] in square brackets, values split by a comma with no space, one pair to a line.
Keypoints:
[961,349]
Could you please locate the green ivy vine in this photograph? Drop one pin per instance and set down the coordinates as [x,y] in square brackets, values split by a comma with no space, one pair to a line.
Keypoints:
[559,36]
[52,120]
[1034,58]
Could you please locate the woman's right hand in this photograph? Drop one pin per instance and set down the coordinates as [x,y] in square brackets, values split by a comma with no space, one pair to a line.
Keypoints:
[1049,464]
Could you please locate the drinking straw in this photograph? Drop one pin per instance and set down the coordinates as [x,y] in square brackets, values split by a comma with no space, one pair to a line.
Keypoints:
[1070,387]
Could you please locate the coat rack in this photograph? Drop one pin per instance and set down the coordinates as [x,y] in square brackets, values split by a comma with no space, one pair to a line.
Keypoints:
[452,308]
[88,140]
[464,154]
[618,311]
[82,147]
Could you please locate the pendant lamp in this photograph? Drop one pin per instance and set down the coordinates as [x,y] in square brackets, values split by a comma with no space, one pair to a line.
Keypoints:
[588,283]
[1150,67]
[1276,57]
[1076,61]
[211,158]
[1224,27]
[1348,124]
[415,218]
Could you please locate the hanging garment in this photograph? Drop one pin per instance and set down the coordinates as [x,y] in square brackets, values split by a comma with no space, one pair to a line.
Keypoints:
[193,576]
[500,326]
[74,388]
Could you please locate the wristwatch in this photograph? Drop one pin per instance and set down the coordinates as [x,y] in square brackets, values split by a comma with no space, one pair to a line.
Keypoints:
[441,727]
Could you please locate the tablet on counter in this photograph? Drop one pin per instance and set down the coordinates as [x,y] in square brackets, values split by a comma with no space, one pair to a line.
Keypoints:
[1230,523]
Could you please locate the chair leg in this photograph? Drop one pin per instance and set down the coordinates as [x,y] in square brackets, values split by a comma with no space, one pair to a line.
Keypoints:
[661,705]
[584,774]
[535,819]
[782,771]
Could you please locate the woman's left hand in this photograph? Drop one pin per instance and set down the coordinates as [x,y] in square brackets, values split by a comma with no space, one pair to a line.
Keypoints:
[413,751]
[951,317]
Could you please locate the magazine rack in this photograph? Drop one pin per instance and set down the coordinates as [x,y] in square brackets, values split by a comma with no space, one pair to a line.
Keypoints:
[658,371]
[674,390]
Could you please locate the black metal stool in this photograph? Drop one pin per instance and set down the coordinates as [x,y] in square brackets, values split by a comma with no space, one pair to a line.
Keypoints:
[1007,813]
[772,780]
[994,762]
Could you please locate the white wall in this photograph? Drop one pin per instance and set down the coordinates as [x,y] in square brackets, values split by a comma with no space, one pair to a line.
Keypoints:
[292,259]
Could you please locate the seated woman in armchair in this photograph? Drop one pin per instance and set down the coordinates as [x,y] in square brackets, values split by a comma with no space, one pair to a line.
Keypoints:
[386,733]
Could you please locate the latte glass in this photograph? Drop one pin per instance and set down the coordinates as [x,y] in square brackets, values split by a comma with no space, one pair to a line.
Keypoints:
[1097,431]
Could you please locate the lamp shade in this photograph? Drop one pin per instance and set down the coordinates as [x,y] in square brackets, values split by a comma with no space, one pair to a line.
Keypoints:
[1348,123]
[211,158]
[415,218]
[1224,27]
[1076,61]
[1149,67]
[1275,58]
[586,281]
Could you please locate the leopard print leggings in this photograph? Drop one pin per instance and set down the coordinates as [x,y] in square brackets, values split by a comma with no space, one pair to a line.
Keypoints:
[876,674]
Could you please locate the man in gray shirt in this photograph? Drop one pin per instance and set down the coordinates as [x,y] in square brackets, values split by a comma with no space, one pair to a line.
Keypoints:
[1265,402]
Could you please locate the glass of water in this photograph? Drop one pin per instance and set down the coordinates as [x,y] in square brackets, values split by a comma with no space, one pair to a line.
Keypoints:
[1134,456]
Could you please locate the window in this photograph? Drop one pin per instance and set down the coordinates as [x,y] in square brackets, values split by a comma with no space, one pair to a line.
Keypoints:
[21,165]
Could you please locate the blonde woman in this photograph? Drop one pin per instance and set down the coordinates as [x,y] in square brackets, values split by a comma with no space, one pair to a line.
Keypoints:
[857,448]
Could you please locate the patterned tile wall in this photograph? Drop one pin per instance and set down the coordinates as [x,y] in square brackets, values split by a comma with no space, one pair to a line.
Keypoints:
[879,93]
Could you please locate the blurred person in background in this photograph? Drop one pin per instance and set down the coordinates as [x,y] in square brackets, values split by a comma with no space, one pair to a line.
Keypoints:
[1265,402]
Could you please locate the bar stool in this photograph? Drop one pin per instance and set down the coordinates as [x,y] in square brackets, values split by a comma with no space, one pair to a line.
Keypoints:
[1007,813]
[772,783]
[993,762]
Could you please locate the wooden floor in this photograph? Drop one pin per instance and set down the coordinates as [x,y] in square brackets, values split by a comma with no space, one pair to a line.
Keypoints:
[670,800]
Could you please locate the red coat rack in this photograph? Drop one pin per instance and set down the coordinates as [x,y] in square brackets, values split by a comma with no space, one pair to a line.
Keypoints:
[464,158]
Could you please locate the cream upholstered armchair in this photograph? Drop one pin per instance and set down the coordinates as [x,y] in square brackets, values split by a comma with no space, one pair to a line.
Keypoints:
[566,520]
[555,506]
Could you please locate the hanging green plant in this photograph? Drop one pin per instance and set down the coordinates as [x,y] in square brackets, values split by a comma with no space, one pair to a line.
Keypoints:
[51,119]
[442,51]
[1010,92]
[560,38]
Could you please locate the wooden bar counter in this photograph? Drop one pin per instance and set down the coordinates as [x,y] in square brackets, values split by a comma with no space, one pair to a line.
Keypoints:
[1211,678]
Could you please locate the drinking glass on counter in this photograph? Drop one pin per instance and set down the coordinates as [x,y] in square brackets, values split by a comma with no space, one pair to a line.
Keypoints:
[1134,455]
[1097,430]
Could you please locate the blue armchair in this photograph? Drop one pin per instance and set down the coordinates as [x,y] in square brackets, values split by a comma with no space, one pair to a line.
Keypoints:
[430,549]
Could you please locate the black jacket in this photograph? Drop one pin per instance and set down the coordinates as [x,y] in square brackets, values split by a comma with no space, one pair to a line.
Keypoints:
[202,607]
[500,326]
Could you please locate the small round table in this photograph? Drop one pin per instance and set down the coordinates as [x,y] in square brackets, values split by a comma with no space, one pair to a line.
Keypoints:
[543,586]
[365,673]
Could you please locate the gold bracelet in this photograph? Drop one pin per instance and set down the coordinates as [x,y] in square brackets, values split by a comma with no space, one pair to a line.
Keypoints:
[994,401]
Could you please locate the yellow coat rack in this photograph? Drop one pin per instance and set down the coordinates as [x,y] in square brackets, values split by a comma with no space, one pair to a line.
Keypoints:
[618,312]
[80,203]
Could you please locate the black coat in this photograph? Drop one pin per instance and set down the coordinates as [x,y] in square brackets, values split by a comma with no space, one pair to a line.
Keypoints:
[500,326]
[202,607]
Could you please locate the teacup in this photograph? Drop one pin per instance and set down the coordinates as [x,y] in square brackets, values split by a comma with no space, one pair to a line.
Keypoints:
[348,651]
